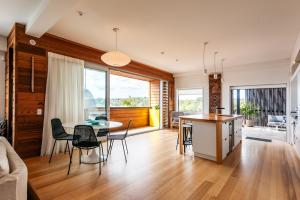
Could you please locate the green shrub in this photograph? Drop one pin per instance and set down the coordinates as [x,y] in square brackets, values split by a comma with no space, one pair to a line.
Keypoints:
[249,110]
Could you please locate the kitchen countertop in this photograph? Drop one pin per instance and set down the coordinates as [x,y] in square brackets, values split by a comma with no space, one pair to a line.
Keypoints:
[212,118]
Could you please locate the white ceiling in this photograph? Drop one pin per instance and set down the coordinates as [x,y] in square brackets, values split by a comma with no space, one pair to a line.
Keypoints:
[243,31]
[12,11]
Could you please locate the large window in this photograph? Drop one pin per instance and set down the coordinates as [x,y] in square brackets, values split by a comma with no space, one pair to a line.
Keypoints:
[190,100]
[128,92]
[238,99]
[94,93]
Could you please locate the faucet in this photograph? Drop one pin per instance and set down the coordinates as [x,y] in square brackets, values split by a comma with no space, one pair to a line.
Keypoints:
[218,110]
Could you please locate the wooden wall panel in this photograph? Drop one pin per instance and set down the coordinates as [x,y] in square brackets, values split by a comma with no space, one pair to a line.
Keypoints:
[69,48]
[139,116]
[29,125]
[171,90]
[154,92]
[26,124]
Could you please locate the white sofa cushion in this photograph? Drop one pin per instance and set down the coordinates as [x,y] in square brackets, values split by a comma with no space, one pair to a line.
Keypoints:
[4,165]
[14,185]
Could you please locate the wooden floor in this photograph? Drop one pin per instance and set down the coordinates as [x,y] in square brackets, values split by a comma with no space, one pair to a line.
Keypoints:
[155,170]
[136,131]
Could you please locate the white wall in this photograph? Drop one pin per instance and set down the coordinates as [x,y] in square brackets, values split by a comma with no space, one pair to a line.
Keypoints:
[195,81]
[276,72]
[255,74]
[2,84]
[3,43]
[295,50]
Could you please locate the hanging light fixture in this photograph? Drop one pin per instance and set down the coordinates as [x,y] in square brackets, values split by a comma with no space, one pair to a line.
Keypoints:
[115,58]
[203,58]
[222,65]
[215,74]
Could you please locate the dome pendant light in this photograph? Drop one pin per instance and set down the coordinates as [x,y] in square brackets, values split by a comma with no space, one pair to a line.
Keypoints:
[115,58]
[203,58]
[215,74]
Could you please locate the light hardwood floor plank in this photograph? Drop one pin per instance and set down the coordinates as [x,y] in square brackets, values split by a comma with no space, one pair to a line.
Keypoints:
[155,170]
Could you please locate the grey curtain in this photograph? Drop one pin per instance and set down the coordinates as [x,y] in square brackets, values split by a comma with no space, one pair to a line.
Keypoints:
[271,101]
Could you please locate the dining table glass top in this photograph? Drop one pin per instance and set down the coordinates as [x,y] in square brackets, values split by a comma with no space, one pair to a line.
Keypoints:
[96,124]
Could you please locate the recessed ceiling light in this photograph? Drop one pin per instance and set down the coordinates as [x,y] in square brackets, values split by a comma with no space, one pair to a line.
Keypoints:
[32,42]
[80,13]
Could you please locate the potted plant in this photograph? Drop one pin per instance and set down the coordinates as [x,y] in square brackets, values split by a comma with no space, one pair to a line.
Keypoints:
[250,111]
[154,116]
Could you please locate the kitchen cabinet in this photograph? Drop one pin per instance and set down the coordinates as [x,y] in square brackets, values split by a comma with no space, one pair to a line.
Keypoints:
[225,137]
[237,131]
[213,135]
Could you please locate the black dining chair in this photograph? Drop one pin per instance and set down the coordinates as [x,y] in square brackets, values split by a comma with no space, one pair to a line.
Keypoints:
[85,138]
[59,133]
[120,137]
[103,132]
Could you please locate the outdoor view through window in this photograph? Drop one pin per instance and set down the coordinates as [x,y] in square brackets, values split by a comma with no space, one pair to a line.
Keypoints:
[128,92]
[94,93]
[190,100]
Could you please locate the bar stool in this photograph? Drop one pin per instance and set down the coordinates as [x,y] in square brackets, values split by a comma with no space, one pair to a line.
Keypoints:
[187,135]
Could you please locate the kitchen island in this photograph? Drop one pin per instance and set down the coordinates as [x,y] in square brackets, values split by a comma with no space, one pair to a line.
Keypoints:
[214,136]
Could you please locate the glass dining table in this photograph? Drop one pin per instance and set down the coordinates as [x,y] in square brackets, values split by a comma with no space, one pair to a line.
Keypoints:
[93,156]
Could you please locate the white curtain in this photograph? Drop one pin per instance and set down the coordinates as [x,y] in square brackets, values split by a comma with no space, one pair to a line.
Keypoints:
[64,96]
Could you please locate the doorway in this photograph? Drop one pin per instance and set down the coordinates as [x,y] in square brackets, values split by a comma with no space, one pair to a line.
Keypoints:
[268,103]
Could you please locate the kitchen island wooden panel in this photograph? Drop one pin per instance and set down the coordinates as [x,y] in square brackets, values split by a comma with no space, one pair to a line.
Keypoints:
[210,131]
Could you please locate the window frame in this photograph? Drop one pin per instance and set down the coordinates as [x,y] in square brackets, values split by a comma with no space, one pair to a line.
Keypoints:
[93,66]
[177,98]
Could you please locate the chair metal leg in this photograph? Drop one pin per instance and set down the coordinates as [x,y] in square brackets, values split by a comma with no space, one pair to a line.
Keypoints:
[100,146]
[102,152]
[70,161]
[111,146]
[124,151]
[106,149]
[80,154]
[66,147]
[52,151]
[87,152]
[126,145]
[110,142]
[69,148]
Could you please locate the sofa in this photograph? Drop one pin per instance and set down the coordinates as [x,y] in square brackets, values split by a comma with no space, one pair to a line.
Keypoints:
[277,121]
[13,186]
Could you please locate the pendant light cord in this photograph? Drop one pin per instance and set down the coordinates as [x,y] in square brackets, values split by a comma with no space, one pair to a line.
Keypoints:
[116,40]
[116,31]
[222,61]
[203,56]
[215,55]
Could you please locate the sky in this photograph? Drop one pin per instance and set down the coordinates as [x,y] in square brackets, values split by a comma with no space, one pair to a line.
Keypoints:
[121,87]
[242,94]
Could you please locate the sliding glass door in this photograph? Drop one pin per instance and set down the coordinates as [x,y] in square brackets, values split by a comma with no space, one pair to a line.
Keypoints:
[270,102]
[95,93]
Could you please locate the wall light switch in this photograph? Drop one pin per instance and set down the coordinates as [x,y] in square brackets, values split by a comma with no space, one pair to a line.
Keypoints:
[39,111]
